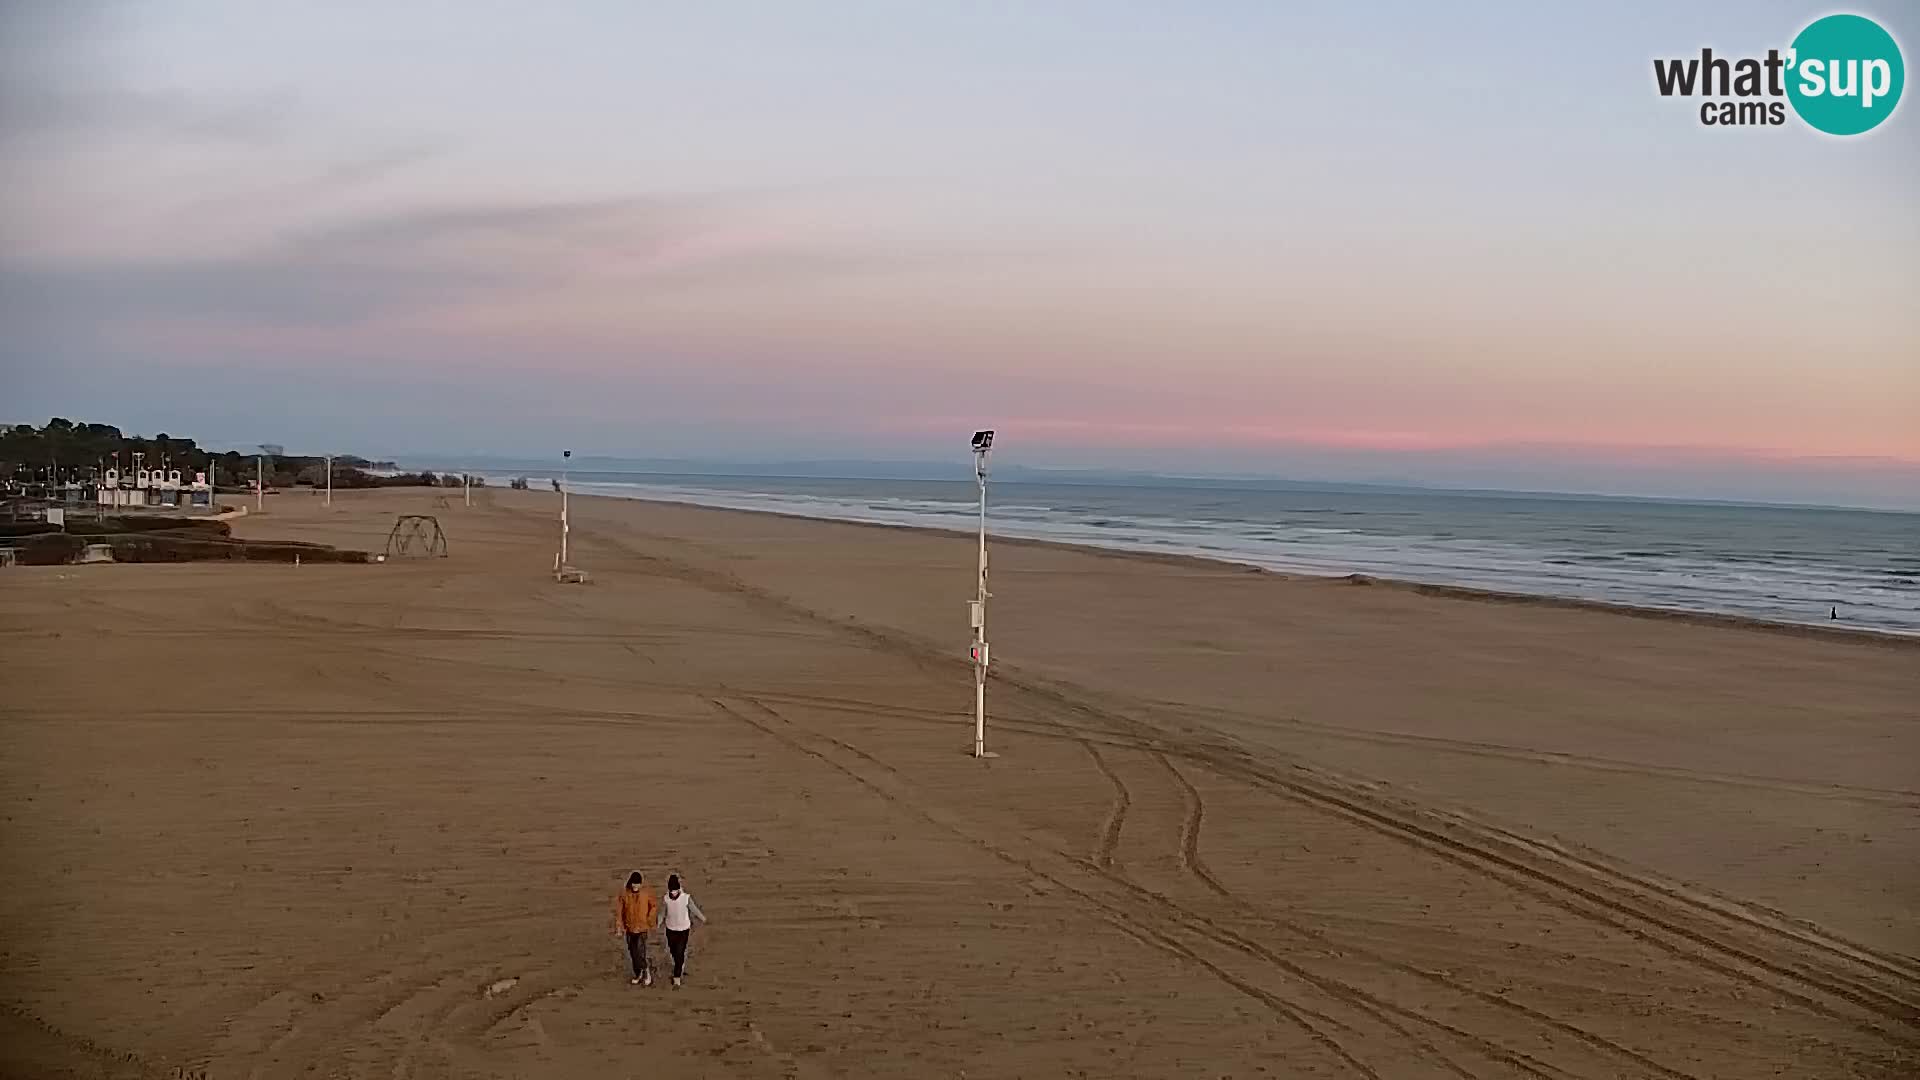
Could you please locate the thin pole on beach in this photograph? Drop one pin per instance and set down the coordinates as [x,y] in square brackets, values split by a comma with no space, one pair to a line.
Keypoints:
[566,456]
[259,483]
[329,479]
[982,449]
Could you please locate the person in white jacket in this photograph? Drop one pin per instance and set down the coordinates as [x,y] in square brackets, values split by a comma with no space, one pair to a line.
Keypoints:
[678,913]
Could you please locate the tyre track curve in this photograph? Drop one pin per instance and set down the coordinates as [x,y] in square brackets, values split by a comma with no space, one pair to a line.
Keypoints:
[1109,840]
[1119,917]
[1190,857]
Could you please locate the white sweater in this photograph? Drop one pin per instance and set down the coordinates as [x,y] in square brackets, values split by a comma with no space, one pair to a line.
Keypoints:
[678,912]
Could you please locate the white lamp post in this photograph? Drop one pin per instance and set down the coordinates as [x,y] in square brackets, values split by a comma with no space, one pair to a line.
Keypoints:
[566,456]
[977,609]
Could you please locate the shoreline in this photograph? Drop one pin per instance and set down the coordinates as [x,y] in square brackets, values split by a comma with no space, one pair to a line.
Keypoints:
[1891,639]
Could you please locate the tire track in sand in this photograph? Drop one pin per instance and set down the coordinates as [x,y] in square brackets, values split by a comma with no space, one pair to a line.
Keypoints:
[1380,1010]
[1703,932]
[1116,813]
[1121,917]
[1742,916]
[1191,861]
[1526,755]
[1388,1015]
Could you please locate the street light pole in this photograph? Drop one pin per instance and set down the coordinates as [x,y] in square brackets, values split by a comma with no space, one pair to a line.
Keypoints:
[982,450]
[566,456]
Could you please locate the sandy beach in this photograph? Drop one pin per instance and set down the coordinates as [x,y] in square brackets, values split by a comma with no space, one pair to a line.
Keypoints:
[268,821]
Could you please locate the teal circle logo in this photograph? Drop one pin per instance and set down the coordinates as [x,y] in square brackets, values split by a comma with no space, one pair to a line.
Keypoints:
[1845,74]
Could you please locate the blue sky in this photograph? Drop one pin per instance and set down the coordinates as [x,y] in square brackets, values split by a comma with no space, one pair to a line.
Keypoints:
[1318,240]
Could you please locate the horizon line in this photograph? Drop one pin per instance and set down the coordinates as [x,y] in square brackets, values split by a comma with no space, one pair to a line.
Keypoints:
[963,472]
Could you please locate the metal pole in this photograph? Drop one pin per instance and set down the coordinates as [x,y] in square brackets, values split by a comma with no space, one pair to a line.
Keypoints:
[979,712]
[566,455]
[980,657]
[979,639]
[259,484]
[329,479]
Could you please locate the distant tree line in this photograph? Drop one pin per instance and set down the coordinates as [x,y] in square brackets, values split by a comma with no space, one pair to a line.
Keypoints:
[63,451]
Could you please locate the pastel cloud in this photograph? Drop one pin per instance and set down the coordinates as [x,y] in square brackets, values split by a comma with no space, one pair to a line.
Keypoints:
[1124,231]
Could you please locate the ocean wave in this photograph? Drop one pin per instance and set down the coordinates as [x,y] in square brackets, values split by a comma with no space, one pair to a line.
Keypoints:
[1711,559]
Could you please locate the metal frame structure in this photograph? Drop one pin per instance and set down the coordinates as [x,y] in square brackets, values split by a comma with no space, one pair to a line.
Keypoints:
[417,535]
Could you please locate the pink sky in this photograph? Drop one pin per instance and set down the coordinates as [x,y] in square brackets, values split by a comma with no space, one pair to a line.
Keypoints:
[918,222]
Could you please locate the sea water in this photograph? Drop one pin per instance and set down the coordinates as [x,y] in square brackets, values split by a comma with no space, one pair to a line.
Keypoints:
[1786,564]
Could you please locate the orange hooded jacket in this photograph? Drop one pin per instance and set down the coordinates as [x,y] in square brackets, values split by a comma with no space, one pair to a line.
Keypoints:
[636,912]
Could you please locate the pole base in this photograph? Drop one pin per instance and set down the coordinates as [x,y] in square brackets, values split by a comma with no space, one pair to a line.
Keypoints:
[987,754]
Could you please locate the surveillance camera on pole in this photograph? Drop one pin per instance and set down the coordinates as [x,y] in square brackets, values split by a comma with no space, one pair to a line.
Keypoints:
[977,608]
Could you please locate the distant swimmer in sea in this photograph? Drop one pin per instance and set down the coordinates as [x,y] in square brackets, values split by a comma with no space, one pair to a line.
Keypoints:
[677,914]
[1836,615]
[635,911]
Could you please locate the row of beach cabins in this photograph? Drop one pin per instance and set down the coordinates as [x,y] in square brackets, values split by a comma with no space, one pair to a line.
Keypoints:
[113,489]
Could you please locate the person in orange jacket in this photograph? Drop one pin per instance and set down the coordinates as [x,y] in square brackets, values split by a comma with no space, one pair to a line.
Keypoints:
[635,910]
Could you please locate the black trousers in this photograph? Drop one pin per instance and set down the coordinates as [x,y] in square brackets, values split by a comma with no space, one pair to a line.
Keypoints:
[637,952]
[677,945]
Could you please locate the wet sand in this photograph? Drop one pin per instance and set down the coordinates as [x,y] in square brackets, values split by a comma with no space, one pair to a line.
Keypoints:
[366,820]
